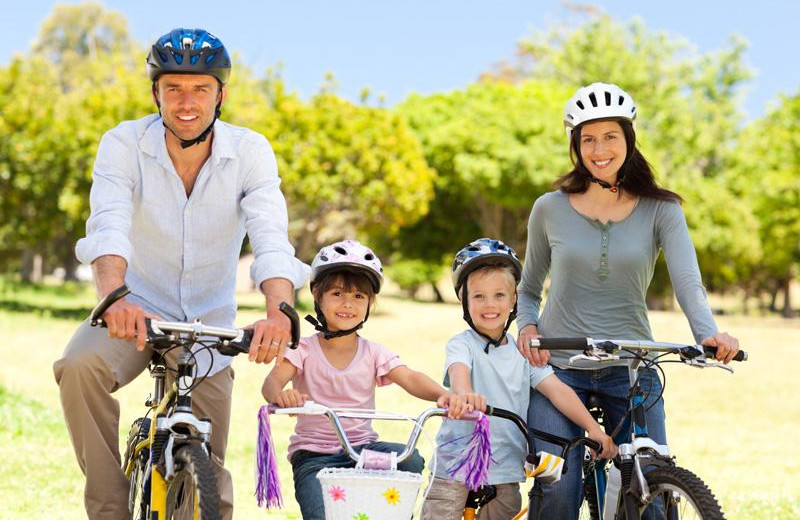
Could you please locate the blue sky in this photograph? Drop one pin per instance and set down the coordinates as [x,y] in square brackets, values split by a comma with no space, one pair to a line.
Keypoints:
[403,46]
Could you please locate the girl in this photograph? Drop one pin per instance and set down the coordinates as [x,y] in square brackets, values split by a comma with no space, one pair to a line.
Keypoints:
[338,368]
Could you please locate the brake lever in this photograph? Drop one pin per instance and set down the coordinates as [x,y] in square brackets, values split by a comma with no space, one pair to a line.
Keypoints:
[703,363]
[594,354]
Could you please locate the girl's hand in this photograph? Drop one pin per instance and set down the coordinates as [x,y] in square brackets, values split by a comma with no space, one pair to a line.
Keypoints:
[534,356]
[727,346]
[610,449]
[290,399]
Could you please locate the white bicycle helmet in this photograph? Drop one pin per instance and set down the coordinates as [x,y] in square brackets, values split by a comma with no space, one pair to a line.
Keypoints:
[598,101]
[348,255]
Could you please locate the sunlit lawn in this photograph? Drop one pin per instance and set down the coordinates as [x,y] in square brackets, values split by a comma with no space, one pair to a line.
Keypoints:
[735,431]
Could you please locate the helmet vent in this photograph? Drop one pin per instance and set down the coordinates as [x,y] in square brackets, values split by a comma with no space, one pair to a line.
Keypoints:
[621,101]
[187,42]
[608,98]
[593,99]
[368,256]
[580,104]
[340,250]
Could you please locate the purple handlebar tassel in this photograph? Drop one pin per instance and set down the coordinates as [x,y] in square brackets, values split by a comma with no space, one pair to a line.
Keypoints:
[474,466]
[268,484]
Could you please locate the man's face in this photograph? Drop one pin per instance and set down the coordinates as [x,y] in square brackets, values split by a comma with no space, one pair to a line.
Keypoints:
[187,102]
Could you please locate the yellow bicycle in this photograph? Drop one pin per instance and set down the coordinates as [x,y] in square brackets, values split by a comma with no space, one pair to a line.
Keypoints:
[167,456]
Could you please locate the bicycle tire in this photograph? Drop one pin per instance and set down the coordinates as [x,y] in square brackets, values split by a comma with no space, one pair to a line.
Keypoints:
[678,494]
[590,509]
[138,493]
[192,493]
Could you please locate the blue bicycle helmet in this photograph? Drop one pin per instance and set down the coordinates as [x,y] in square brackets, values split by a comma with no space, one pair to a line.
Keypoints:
[189,51]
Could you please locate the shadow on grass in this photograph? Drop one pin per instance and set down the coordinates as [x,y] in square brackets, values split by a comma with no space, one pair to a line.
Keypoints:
[68,313]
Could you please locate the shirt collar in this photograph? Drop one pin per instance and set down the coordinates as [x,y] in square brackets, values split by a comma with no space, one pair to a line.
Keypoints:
[154,143]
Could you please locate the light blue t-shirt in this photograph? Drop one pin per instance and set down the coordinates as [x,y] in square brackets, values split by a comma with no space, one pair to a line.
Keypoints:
[505,378]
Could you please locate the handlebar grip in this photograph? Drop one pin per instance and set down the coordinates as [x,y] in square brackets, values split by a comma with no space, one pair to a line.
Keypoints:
[233,348]
[289,311]
[596,446]
[712,351]
[111,298]
[560,343]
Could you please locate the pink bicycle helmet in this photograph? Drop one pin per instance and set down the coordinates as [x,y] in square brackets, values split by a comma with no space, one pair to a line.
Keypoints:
[348,255]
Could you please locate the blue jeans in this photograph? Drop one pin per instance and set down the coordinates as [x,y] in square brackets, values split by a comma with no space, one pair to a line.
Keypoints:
[563,499]
[306,465]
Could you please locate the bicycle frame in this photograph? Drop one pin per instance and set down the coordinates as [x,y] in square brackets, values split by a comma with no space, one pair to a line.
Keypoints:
[641,451]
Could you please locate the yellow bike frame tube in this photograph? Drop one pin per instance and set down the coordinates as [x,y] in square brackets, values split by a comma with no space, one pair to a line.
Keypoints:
[158,486]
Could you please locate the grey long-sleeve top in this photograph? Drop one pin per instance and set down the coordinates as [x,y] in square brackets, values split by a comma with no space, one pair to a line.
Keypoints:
[599,273]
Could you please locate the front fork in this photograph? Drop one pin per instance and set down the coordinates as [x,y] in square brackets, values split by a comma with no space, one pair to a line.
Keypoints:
[173,430]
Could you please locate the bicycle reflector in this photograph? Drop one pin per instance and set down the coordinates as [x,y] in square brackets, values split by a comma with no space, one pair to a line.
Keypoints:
[548,470]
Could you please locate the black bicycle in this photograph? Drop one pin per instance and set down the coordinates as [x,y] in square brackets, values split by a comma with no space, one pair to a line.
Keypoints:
[643,480]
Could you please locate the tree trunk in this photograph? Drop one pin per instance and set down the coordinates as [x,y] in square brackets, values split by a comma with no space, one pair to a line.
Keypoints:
[437,296]
[32,266]
[786,288]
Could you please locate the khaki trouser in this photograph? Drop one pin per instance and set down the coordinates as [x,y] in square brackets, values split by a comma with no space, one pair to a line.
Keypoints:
[94,366]
[446,501]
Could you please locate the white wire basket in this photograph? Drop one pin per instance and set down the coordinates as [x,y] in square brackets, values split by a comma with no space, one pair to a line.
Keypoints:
[368,494]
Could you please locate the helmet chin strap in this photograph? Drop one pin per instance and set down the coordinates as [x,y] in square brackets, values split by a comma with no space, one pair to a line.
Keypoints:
[613,188]
[186,143]
[491,342]
[321,325]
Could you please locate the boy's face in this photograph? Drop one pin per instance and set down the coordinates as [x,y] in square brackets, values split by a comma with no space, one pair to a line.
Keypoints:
[342,309]
[491,297]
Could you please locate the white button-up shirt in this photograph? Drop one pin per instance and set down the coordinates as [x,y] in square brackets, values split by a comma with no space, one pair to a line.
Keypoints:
[181,251]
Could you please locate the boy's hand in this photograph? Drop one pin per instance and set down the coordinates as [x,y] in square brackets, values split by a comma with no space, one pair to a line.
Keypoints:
[610,449]
[460,404]
[290,399]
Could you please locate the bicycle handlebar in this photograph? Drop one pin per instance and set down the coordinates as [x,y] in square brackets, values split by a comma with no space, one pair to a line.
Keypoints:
[232,341]
[335,414]
[614,345]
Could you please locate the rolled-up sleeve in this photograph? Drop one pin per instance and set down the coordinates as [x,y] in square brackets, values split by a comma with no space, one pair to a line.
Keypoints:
[111,201]
[266,220]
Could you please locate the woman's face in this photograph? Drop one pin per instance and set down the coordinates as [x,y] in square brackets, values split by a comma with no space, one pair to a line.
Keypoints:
[603,149]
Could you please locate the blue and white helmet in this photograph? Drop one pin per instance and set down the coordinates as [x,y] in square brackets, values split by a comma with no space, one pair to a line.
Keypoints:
[482,252]
[189,51]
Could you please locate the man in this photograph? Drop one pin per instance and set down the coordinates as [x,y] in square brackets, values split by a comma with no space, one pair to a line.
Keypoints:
[172,197]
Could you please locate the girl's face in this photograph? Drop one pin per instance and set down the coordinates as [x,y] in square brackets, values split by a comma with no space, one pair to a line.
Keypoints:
[491,297]
[603,149]
[343,309]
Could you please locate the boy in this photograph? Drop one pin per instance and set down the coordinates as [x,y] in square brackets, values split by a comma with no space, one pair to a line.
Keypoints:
[484,360]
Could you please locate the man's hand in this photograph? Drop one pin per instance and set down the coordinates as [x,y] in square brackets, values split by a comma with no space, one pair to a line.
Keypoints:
[270,337]
[125,320]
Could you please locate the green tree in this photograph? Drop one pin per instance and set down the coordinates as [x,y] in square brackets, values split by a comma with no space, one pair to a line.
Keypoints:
[768,174]
[347,170]
[496,147]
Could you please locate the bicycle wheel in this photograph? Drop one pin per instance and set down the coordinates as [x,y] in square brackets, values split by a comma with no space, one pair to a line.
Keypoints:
[139,491]
[678,494]
[192,493]
[590,507]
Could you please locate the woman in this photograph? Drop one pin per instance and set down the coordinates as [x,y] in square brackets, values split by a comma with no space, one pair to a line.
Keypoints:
[598,237]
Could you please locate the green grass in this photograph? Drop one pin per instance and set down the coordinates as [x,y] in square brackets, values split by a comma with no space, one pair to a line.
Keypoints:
[719,425]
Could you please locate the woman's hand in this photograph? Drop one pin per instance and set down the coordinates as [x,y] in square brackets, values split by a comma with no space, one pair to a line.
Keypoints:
[535,356]
[727,346]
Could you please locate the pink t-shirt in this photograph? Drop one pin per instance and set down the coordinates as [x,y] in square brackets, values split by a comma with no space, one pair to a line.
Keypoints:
[351,387]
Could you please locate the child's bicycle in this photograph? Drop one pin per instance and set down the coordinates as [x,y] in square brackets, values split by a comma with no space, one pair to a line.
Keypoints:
[376,489]
[167,451]
[644,480]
